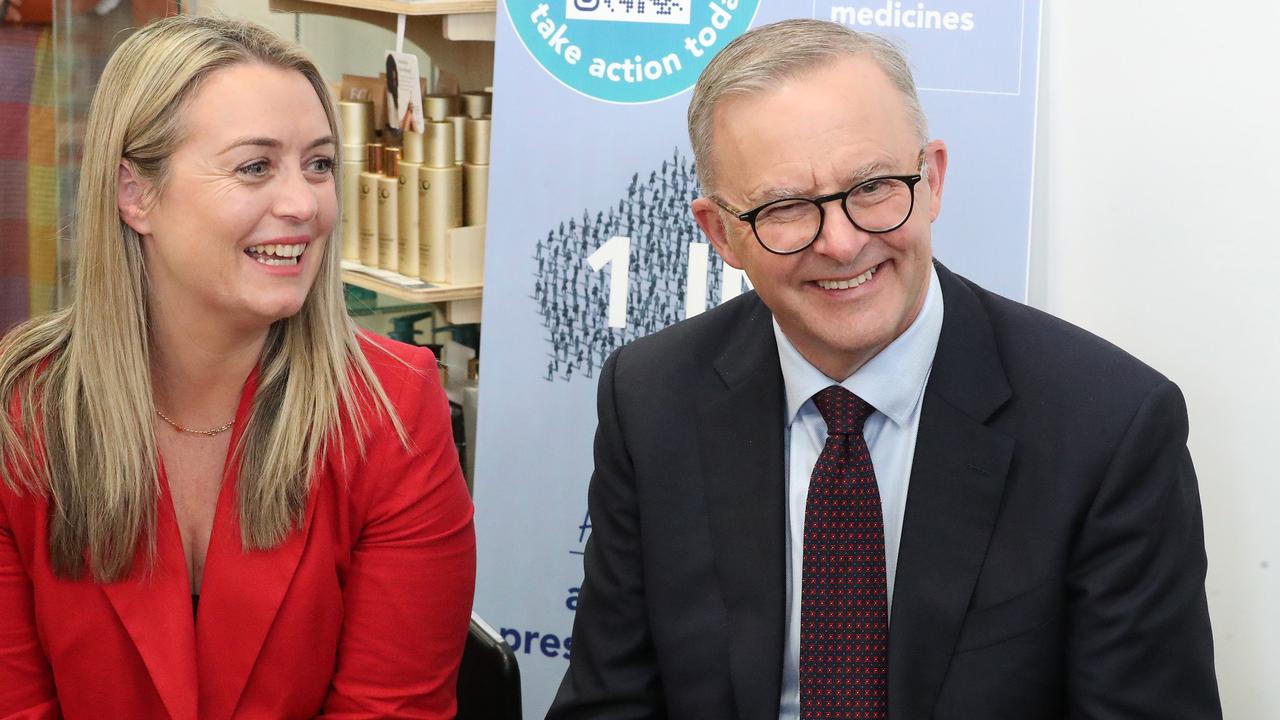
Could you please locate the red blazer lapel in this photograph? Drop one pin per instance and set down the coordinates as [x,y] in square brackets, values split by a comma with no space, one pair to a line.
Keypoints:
[155,608]
[241,591]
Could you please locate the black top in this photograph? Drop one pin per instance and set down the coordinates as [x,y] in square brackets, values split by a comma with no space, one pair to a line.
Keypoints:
[195,603]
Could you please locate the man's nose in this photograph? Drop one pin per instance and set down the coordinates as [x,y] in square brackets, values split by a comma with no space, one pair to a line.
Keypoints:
[839,239]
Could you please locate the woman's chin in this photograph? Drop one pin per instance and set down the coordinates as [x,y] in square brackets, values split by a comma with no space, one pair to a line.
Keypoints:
[268,313]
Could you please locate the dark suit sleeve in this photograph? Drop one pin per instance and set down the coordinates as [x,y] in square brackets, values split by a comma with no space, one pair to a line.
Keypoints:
[612,673]
[1138,636]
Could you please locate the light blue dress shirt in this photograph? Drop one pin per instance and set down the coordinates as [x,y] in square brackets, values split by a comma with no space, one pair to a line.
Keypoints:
[893,383]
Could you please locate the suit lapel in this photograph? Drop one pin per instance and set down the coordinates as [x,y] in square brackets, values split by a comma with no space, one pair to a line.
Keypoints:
[741,432]
[957,481]
[241,592]
[154,605]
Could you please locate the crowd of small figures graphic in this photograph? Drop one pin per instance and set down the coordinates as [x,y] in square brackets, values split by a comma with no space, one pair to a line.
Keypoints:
[573,299]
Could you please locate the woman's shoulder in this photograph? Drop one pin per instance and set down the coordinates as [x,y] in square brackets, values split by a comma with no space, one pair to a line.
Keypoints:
[388,461]
[397,365]
[408,375]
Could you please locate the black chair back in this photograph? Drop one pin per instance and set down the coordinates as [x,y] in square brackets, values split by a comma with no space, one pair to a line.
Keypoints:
[489,678]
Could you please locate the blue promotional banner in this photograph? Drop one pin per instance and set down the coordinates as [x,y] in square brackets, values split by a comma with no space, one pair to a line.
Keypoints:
[591,243]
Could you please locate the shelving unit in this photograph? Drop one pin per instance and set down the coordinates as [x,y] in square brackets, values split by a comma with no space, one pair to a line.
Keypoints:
[436,294]
[472,66]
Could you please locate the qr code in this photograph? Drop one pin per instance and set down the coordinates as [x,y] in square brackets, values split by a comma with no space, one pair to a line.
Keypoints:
[668,12]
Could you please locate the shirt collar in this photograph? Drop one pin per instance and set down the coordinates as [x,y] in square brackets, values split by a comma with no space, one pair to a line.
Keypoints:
[891,382]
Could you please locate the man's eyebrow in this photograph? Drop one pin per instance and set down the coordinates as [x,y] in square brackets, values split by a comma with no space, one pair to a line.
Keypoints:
[764,195]
[867,170]
[270,142]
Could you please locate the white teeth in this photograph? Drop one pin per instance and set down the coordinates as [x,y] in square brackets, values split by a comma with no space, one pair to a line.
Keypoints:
[845,284]
[275,261]
[282,251]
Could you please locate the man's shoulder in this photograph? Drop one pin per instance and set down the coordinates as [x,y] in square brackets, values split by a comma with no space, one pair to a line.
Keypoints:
[694,343]
[1047,355]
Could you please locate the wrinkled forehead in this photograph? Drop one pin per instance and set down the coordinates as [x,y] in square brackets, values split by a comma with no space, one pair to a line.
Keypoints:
[831,116]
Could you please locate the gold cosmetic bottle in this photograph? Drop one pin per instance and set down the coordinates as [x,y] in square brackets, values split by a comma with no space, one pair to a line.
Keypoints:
[356,130]
[477,104]
[407,205]
[440,195]
[369,206]
[475,171]
[459,137]
[438,107]
[388,215]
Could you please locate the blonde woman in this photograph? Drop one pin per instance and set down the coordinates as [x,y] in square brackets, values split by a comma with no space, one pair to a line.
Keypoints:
[218,499]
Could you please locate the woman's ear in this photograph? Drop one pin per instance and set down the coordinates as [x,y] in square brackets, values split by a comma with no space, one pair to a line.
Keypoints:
[131,199]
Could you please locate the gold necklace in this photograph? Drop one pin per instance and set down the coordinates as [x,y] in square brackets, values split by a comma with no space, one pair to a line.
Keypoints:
[211,432]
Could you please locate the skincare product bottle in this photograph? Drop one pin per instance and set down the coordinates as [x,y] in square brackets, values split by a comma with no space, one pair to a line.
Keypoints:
[356,123]
[459,137]
[440,195]
[388,216]
[369,206]
[475,171]
[477,104]
[409,251]
[437,107]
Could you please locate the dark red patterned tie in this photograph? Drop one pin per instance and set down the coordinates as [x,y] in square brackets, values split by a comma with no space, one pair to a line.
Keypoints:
[844,608]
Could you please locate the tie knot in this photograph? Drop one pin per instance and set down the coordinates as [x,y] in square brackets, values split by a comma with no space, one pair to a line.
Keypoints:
[843,411]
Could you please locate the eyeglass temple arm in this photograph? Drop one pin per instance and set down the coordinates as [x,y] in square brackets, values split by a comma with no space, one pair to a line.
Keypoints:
[727,208]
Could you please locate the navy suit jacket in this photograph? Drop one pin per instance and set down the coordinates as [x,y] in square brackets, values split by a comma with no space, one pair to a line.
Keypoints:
[1052,559]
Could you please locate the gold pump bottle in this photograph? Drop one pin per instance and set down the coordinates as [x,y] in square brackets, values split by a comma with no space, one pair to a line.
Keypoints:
[388,216]
[356,130]
[476,104]
[440,195]
[459,137]
[437,107]
[475,171]
[407,205]
[369,206]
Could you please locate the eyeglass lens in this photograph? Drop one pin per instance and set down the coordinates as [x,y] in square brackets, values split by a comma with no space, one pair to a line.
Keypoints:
[875,206]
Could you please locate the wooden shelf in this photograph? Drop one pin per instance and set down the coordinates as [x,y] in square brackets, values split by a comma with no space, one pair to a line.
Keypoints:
[434,294]
[400,7]
[470,62]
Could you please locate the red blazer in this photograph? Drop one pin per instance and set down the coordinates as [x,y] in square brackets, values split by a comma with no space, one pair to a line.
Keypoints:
[361,614]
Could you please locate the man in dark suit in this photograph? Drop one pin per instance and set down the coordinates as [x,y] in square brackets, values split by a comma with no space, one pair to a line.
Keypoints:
[871,488]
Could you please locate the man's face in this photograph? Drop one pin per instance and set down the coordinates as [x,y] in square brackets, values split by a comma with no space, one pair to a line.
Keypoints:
[814,135]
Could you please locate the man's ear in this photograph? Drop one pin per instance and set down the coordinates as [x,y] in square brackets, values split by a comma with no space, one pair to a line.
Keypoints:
[132,199]
[707,214]
[935,156]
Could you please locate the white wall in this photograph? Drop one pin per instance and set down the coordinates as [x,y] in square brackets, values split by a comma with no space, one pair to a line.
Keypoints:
[1157,190]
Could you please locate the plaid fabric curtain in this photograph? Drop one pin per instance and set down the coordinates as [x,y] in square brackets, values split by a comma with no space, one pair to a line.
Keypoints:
[28,174]
[47,76]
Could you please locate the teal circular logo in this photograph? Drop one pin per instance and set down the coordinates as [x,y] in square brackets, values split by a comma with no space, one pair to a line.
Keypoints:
[628,51]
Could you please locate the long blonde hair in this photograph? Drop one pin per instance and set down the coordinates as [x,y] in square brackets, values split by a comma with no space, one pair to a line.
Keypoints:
[81,376]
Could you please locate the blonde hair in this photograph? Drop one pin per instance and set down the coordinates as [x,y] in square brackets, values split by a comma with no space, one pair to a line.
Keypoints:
[765,57]
[81,376]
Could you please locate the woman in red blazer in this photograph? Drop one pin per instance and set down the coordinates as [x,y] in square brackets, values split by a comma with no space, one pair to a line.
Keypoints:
[217,500]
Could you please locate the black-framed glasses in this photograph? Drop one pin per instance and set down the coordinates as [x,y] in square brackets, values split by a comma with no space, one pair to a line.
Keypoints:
[876,205]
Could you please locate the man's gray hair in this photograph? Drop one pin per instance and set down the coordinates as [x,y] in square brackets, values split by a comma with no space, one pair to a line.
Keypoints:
[763,58]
